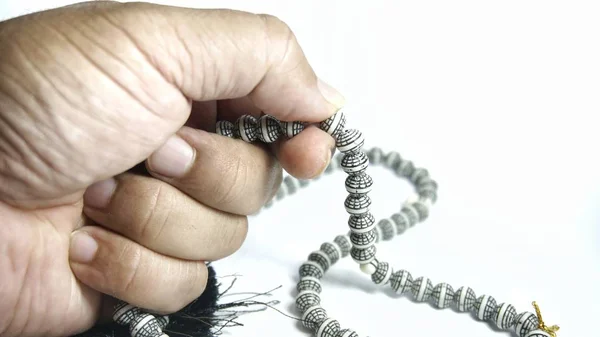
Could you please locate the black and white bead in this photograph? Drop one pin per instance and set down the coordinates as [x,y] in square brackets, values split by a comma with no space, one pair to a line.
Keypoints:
[361,223]
[309,283]
[247,128]
[525,322]
[363,255]
[357,204]
[313,317]
[484,307]
[321,258]
[328,328]
[359,183]
[311,268]
[387,229]
[505,315]
[401,281]
[307,299]
[335,124]
[442,295]
[291,129]
[538,333]
[349,141]
[464,299]
[333,251]
[346,333]
[422,288]
[125,313]
[343,242]
[362,240]
[382,274]
[226,128]
[145,325]
[269,129]
[355,162]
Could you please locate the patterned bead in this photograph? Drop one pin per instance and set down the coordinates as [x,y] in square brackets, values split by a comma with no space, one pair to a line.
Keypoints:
[401,221]
[144,325]
[388,229]
[333,252]
[335,124]
[411,213]
[311,268]
[162,321]
[328,328]
[392,160]
[422,289]
[125,313]
[427,182]
[350,140]
[383,273]
[361,223]
[269,129]
[422,210]
[464,299]
[538,333]
[313,316]
[362,240]
[306,299]
[247,128]
[344,244]
[346,333]
[321,258]
[225,128]
[428,193]
[525,322]
[357,204]
[375,155]
[418,174]
[309,283]
[484,307]
[291,129]
[354,162]
[401,281]
[363,255]
[359,183]
[442,295]
[405,168]
[505,315]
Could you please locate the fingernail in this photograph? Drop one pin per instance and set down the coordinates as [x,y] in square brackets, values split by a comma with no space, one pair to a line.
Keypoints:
[331,95]
[173,159]
[83,247]
[98,195]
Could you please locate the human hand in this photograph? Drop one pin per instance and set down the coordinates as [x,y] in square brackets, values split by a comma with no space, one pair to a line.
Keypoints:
[89,91]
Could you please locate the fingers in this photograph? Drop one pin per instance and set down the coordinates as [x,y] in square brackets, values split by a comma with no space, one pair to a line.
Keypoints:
[163,219]
[305,156]
[221,54]
[119,267]
[220,172]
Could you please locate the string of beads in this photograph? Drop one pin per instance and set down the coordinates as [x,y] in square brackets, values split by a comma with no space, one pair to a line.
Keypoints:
[360,241]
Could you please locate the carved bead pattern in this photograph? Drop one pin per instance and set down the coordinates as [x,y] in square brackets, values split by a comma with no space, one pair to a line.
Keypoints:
[247,128]
[350,140]
[313,317]
[354,162]
[382,274]
[306,299]
[361,223]
[291,129]
[162,321]
[328,328]
[422,289]
[525,322]
[504,316]
[388,229]
[464,299]
[332,250]
[269,129]
[311,268]
[226,128]
[362,240]
[144,325]
[401,281]
[418,174]
[321,258]
[427,183]
[125,313]
[346,333]
[343,241]
[335,124]
[309,283]
[357,204]
[484,307]
[442,295]
[359,183]
[401,221]
[363,255]
[422,210]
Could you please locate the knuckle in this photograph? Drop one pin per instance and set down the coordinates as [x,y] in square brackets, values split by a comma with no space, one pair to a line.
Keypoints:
[127,273]
[235,235]
[281,38]
[155,215]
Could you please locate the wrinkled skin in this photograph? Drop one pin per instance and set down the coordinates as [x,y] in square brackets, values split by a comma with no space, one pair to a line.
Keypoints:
[89,91]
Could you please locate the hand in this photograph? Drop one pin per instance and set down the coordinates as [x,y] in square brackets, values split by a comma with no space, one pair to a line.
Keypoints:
[89,91]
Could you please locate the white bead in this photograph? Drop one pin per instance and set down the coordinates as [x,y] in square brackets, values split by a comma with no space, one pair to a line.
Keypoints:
[368,268]
[538,333]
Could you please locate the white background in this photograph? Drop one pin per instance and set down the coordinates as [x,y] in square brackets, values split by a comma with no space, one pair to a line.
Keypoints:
[500,101]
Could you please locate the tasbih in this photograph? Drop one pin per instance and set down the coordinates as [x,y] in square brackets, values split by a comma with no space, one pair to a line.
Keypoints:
[360,242]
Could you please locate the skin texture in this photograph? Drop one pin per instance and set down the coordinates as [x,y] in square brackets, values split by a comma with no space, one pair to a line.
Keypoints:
[89,91]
